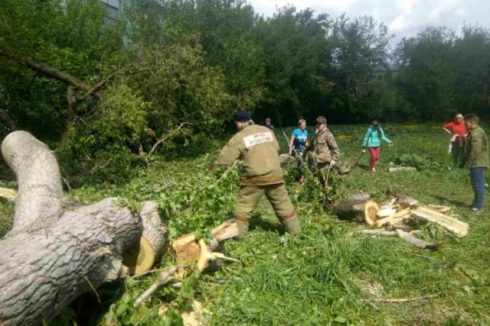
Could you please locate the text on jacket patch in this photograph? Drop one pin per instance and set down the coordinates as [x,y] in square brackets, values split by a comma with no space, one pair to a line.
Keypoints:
[259,138]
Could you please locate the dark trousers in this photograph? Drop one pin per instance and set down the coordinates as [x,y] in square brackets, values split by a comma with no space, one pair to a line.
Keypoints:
[477,176]
[458,152]
[302,160]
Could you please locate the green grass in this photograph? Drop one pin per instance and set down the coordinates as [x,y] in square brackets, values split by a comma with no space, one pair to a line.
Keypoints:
[326,276]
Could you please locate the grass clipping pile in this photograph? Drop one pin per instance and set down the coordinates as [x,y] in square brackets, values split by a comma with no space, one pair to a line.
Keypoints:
[395,216]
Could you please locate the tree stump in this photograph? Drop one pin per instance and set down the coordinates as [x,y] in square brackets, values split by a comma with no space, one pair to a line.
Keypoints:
[357,209]
[56,250]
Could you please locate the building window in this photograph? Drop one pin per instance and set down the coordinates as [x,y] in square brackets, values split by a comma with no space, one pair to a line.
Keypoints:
[112,7]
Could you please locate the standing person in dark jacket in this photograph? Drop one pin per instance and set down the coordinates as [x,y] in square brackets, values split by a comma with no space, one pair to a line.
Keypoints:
[372,140]
[477,159]
[324,150]
[268,124]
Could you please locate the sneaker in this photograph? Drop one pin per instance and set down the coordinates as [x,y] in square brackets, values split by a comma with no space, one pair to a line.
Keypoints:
[477,210]
[373,170]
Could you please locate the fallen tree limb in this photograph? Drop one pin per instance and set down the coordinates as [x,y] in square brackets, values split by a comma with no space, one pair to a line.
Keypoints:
[404,300]
[402,168]
[48,71]
[170,133]
[163,279]
[7,118]
[97,87]
[414,241]
[379,232]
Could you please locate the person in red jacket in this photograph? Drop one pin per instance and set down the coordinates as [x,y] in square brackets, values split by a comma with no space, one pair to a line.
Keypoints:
[457,130]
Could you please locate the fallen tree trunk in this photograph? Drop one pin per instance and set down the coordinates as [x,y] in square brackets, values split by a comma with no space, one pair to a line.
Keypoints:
[355,209]
[56,250]
[153,243]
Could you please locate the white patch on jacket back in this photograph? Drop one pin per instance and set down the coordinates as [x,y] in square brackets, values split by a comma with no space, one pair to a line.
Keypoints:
[259,138]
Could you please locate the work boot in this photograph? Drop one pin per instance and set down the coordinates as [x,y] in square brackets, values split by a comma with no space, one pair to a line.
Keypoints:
[242,229]
[292,225]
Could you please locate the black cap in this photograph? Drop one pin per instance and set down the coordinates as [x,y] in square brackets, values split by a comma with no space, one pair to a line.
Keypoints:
[241,115]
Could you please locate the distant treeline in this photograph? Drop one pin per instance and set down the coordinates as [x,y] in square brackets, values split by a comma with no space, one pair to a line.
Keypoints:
[100,86]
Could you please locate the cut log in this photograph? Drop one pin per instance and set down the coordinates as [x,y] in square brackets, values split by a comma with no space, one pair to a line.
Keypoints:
[459,228]
[284,158]
[56,251]
[402,168]
[395,218]
[371,208]
[187,249]
[361,196]
[360,210]
[414,241]
[152,244]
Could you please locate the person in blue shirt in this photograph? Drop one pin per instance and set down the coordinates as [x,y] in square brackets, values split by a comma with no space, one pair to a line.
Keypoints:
[372,140]
[298,144]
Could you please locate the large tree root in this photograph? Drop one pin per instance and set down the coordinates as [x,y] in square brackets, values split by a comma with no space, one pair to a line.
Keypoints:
[56,250]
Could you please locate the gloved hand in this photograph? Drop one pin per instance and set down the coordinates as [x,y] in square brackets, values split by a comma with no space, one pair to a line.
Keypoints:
[332,163]
[364,150]
[390,143]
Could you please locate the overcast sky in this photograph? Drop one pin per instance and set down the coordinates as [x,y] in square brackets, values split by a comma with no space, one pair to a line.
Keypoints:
[405,18]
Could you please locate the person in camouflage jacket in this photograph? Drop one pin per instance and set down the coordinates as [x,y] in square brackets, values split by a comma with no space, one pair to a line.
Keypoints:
[324,149]
[258,148]
[476,159]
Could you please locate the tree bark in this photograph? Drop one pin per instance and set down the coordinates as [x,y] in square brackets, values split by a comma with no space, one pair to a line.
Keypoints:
[44,270]
[40,193]
[56,250]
